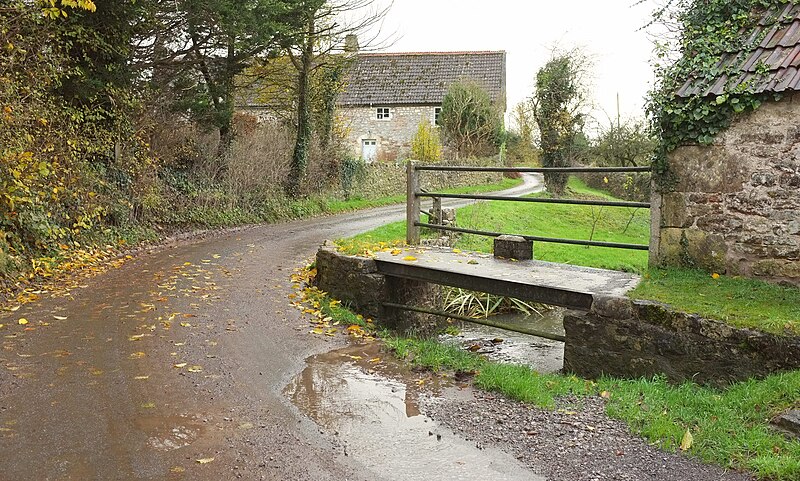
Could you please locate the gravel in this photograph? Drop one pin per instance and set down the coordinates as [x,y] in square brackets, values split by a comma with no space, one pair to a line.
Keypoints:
[576,441]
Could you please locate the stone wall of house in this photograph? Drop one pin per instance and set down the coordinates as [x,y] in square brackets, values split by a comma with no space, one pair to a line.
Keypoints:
[393,135]
[736,206]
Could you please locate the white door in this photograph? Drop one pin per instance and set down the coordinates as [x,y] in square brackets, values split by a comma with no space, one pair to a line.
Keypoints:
[369,149]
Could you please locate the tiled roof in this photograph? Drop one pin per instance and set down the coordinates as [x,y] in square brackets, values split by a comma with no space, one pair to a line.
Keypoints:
[421,78]
[778,52]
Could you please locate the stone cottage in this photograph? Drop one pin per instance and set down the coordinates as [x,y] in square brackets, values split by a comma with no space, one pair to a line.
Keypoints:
[387,95]
[735,208]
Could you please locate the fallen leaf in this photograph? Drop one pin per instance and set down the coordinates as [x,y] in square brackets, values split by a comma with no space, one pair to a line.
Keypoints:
[715,276]
[136,337]
[472,262]
[204,460]
[137,355]
[375,360]
[185,324]
[149,405]
[195,369]
[179,365]
[605,395]
[177,469]
[409,258]
[22,321]
[141,378]
[686,442]
[60,318]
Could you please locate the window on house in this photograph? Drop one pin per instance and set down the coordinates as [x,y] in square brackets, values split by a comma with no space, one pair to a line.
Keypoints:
[383,113]
[437,111]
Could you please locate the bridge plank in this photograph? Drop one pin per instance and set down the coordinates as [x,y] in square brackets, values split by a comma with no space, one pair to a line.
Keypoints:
[562,285]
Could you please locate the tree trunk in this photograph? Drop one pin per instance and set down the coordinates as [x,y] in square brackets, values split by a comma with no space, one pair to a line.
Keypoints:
[299,164]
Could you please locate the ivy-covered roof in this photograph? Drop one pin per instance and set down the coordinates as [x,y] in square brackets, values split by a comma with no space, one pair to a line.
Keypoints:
[770,61]
[421,78]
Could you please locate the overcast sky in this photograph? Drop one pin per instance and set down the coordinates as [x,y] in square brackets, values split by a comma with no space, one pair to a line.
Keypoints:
[608,30]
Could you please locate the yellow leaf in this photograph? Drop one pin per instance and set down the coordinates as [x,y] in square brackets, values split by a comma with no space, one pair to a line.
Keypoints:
[136,337]
[22,321]
[185,324]
[409,258]
[60,318]
[2,326]
[149,405]
[142,378]
[204,460]
[137,355]
[686,442]
[375,360]
[456,251]
[177,469]
[395,252]
[195,369]
[180,365]
[605,395]
[715,276]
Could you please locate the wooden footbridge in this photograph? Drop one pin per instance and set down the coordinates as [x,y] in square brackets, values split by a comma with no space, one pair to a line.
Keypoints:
[563,285]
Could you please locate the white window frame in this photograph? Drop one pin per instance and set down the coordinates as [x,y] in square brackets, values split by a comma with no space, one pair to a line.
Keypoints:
[383,113]
[437,112]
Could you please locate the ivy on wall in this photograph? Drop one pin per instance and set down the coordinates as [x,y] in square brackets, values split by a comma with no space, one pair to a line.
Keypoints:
[708,29]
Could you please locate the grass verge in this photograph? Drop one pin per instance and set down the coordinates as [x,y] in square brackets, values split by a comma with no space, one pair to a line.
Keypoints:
[737,301]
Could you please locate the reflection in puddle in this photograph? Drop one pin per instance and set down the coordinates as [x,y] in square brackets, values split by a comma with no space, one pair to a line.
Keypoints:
[372,409]
[543,355]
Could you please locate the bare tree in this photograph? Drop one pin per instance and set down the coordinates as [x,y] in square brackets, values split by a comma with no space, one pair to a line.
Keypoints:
[323,43]
[471,124]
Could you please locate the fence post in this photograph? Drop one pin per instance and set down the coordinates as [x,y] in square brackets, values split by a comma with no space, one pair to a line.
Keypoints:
[412,204]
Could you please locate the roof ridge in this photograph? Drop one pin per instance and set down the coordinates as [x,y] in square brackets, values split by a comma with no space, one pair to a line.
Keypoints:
[462,52]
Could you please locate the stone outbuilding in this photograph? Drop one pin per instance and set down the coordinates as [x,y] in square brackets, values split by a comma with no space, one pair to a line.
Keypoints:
[735,206]
[387,95]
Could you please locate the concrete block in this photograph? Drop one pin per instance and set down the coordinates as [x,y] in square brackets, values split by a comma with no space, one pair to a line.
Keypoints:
[513,247]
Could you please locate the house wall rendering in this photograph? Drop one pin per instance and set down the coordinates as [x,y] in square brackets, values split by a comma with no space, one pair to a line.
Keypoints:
[736,206]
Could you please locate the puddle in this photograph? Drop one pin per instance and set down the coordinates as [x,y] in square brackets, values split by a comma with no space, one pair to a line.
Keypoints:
[543,355]
[371,408]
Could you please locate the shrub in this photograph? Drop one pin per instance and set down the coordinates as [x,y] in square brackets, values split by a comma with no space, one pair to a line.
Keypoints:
[426,145]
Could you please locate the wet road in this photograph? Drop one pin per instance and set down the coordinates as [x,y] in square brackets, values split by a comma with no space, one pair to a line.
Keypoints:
[172,367]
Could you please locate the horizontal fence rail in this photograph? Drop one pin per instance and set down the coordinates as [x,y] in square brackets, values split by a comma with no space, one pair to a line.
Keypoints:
[607,203]
[577,242]
[481,321]
[533,170]
[415,193]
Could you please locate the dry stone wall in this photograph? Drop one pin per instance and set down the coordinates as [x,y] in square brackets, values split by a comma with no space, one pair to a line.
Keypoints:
[736,206]
[624,338]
